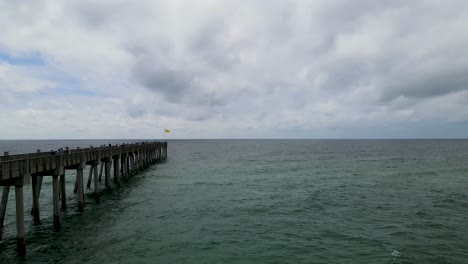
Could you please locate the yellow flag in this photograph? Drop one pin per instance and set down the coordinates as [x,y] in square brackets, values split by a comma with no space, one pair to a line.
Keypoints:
[167,130]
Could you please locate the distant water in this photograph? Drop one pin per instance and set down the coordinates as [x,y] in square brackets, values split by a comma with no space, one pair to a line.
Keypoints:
[265,201]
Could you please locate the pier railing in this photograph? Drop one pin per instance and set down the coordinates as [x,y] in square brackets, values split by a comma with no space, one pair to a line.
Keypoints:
[13,166]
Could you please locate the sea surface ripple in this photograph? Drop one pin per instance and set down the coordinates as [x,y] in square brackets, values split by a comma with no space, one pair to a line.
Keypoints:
[264,201]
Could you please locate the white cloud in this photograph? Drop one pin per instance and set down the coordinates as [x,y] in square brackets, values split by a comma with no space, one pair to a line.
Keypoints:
[232,69]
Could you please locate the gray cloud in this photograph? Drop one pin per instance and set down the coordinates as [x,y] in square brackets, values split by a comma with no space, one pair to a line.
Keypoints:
[213,48]
[136,112]
[171,83]
[212,68]
[430,85]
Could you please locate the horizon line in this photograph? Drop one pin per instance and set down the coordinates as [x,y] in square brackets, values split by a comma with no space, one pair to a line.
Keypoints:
[167,139]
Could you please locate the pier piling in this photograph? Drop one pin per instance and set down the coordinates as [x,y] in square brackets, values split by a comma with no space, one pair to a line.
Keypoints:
[20,237]
[96,181]
[100,172]
[107,180]
[56,200]
[3,206]
[63,194]
[79,179]
[90,177]
[117,170]
[35,197]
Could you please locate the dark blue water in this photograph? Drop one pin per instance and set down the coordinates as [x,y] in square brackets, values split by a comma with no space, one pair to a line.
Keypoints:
[265,201]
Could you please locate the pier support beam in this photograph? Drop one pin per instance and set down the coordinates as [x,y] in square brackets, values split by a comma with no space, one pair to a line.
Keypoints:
[36,191]
[129,165]
[56,201]
[90,176]
[135,162]
[96,181]
[100,172]
[79,179]
[4,202]
[3,205]
[140,160]
[75,188]
[63,194]
[117,170]
[123,164]
[36,181]
[20,237]
[108,183]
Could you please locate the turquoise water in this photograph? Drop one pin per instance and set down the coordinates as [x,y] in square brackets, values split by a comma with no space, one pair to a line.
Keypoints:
[265,201]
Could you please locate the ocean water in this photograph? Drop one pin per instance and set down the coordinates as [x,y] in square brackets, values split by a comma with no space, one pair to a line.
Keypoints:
[264,201]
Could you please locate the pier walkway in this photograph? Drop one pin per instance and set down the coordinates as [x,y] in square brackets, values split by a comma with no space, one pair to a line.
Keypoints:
[22,169]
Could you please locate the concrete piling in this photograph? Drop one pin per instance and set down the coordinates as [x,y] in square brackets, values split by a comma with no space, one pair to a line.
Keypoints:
[79,179]
[90,177]
[36,191]
[39,187]
[55,201]
[20,237]
[107,180]
[4,202]
[131,168]
[75,188]
[102,168]
[96,182]
[63,194]
[35,197]
[3,206]
[123,162]
[117,170]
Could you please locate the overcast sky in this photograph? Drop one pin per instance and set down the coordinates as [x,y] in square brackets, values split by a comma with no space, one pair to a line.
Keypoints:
[234,69]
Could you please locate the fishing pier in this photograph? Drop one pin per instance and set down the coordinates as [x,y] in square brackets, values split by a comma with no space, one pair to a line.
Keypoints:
[23,169]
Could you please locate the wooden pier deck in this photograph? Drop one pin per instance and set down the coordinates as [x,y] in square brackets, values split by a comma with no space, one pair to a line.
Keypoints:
[22,169]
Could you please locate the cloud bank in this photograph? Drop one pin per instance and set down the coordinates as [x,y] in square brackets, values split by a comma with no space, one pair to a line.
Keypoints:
[233,69]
